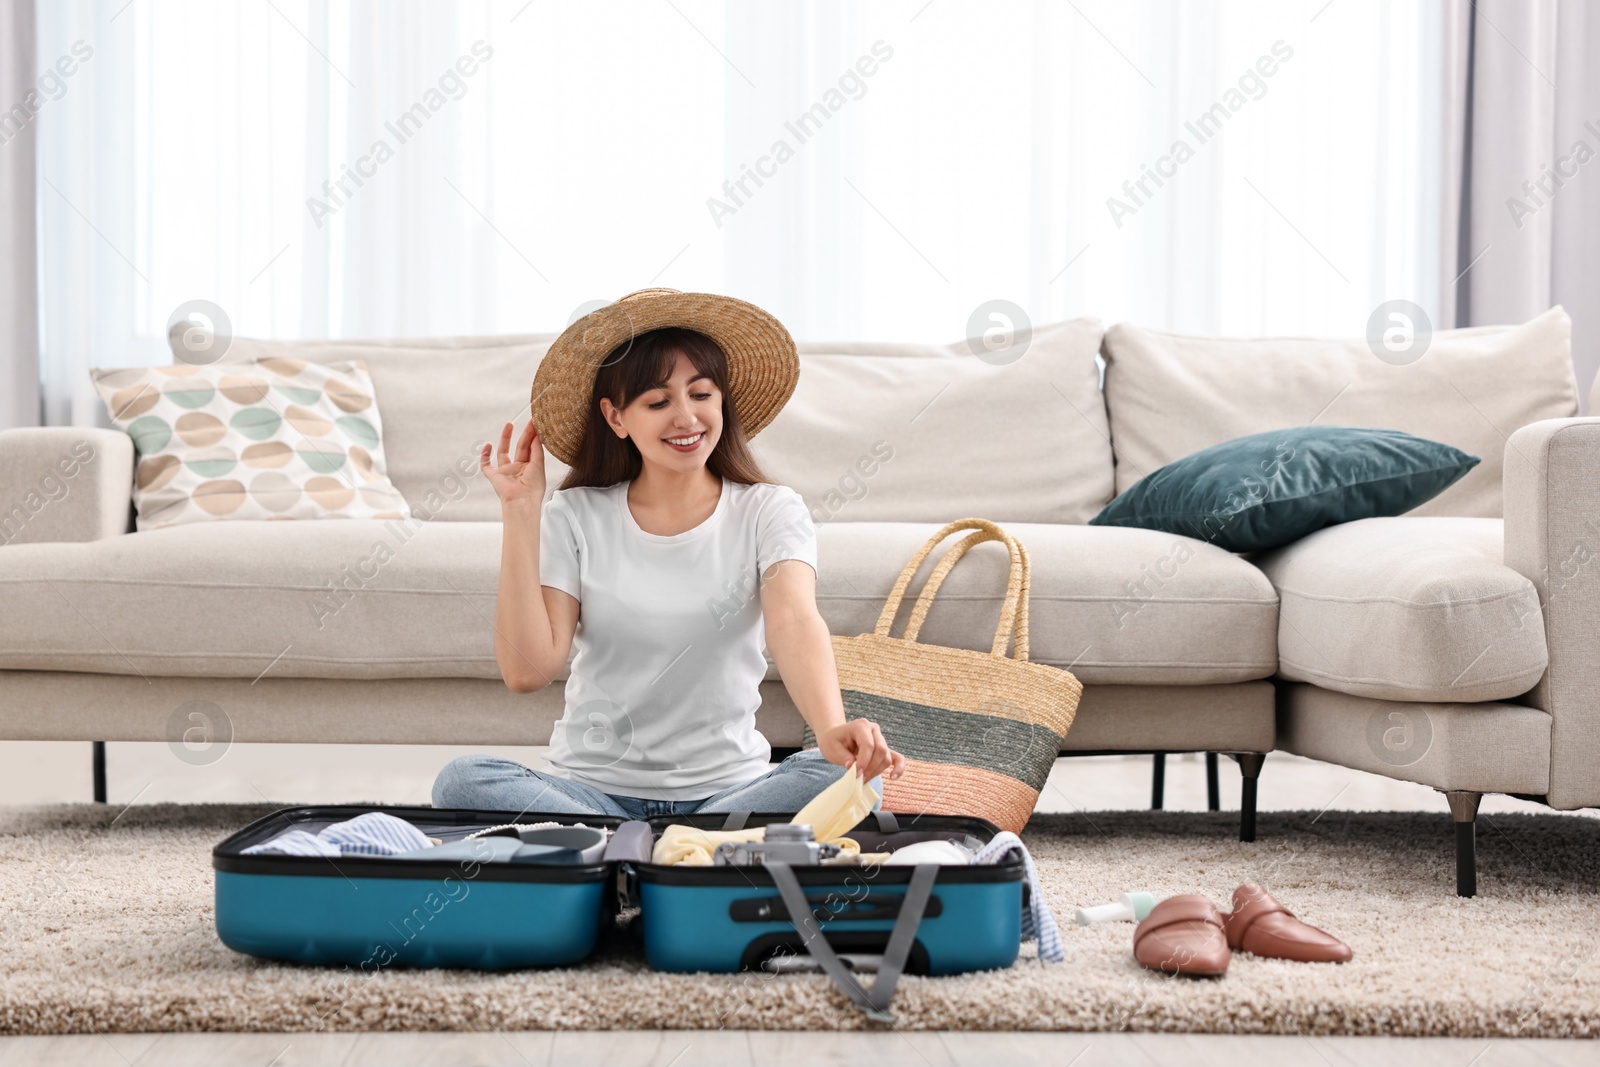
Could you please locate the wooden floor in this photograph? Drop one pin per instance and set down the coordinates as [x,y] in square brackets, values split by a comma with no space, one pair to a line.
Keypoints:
[748,1048]
[44,772]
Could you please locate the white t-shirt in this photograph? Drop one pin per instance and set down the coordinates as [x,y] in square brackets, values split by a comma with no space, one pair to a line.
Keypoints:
[664,687]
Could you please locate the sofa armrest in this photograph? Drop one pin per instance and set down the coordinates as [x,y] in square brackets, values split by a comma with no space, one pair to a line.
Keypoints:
[1552,530]
[64,483]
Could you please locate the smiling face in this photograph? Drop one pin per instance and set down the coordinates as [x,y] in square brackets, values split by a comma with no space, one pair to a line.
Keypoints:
[687,408]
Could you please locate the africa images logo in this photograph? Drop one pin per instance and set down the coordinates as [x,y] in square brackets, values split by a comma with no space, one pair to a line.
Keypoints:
[1399,737]
[1251,85]
[598,733]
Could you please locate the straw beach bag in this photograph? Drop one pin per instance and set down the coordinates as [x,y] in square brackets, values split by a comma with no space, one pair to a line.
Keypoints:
[979,730]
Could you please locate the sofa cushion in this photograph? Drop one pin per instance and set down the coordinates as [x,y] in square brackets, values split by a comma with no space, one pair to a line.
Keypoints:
[266,439]
[1115,606]
[357,598]
[1407,608]
[1171,394]
[928,433]
[368,599]
[441,399]
[1269,489]
[874,431]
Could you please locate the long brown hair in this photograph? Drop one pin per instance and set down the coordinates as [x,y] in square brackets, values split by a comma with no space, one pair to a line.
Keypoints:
[636,367]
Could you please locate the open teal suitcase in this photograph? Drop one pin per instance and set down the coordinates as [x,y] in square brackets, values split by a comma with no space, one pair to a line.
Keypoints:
[373,912]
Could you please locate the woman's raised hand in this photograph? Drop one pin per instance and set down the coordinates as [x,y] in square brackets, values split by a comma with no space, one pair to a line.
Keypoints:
[519,477]
[859,745]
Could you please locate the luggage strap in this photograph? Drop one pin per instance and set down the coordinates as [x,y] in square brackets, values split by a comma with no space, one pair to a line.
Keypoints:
[873,1002]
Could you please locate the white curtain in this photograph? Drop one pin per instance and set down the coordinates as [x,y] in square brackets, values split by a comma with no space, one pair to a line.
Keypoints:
[19,296]
[864,171]
[1521,211]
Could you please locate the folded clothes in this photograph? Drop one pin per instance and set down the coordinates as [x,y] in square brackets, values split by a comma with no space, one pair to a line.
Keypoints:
[581,844]
[294,843]
[378,833]
[830,814]
[930,852]
[494,850]
[375,833]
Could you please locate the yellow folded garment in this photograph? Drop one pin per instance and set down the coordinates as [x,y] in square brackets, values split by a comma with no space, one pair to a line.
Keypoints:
[830,814]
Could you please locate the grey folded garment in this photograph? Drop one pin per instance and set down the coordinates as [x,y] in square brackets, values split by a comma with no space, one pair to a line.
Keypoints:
[589,840]
[495,850]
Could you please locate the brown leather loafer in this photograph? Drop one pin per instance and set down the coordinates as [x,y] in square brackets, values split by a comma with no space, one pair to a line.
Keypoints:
[1261,926]
[1183,935]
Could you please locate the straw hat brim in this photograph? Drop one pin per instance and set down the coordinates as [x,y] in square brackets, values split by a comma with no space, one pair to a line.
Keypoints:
[763,363]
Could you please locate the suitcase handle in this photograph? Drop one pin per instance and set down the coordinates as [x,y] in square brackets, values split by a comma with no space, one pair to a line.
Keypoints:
[633,841]
[873,1002]
[775,909]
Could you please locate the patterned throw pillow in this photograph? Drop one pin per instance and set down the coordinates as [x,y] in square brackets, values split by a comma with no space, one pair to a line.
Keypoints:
[269,438]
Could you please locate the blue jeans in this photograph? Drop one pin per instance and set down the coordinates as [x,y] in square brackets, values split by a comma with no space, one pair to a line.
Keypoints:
[490,782]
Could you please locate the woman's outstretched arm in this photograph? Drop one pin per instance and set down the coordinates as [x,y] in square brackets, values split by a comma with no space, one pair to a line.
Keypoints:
[797,637]
[533,625]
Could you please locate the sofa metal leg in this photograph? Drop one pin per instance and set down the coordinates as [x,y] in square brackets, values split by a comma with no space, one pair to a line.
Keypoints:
[1158,781]
[1213,797]
[99,772]
[1250,770]
[1464,812]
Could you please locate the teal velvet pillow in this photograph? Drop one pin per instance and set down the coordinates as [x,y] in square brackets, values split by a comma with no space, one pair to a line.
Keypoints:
[1271,488]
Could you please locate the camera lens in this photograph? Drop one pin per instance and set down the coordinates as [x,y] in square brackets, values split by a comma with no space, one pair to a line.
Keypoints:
[789,831]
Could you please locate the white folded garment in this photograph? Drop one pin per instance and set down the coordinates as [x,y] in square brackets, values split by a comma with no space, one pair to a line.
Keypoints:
[930,852]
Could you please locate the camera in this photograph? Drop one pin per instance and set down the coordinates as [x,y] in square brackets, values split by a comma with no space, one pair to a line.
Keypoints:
[786,842]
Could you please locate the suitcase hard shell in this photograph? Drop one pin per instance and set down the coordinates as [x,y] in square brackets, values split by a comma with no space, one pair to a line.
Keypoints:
[374,911]
[728,919]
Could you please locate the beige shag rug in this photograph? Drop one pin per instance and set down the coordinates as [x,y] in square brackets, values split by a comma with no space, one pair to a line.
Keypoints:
[106,926]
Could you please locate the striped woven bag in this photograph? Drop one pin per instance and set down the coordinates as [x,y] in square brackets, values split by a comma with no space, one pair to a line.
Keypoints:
[979,730]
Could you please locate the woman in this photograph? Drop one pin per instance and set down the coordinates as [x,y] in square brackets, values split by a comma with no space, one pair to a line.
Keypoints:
[665,557]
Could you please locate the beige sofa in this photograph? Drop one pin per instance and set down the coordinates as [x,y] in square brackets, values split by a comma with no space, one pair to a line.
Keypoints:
[1447,647]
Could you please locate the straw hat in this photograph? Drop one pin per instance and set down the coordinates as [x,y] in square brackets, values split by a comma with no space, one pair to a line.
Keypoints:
[763,364]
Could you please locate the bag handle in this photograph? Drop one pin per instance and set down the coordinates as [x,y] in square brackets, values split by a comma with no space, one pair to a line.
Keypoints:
[1016,592]
[1013,611]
